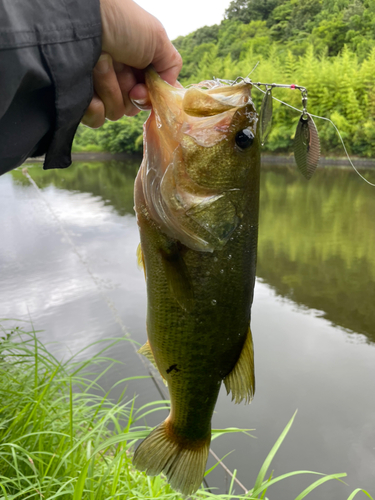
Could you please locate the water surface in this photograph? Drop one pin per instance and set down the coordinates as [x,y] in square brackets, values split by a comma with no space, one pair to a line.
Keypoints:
[69,249]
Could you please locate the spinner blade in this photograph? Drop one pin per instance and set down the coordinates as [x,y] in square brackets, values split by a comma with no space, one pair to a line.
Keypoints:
[265,117]
[306,146]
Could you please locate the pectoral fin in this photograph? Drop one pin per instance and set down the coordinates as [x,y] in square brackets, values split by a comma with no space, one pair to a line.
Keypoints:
[145,350]
[241,380]
[178,279]
[140,259]
[217,215]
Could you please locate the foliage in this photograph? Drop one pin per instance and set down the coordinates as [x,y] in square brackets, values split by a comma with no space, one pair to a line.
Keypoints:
[340,88]
[250,10]
[60,439]
[324,23]
[125,135]
[327,46]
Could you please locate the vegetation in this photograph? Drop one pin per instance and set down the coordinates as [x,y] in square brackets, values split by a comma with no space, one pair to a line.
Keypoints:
[123,136]
[326,45]
[59,438]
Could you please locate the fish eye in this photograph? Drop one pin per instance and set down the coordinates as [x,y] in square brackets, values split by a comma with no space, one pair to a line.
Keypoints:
[244,138]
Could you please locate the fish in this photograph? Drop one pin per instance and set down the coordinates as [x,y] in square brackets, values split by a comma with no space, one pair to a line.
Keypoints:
[197,201]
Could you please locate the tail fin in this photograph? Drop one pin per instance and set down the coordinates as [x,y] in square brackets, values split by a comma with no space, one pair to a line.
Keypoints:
[182,462]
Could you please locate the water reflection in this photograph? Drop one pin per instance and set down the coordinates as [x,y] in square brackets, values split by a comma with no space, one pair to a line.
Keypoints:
[317,243]
[111,180]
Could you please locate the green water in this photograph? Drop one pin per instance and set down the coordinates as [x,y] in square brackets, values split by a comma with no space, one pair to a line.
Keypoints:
[317,243]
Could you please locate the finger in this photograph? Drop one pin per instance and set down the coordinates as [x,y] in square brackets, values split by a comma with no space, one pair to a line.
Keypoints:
[127,81]
[136,38]
[168,62]
[94,116]
[139,95]
[107,87]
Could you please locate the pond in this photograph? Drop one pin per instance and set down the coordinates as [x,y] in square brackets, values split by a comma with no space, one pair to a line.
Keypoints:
[68,263]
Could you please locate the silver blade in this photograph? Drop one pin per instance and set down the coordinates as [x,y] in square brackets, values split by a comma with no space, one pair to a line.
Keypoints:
[306,146]
[265,117]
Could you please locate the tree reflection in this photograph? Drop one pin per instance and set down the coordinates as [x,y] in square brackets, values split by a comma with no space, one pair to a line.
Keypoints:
[317,243]
[112,180]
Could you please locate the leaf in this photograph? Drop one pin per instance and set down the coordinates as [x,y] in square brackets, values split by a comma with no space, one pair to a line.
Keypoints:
[266,484]
[354,493]
[217,463]
[271,454]
[80,484]
[215,433]
[317,483]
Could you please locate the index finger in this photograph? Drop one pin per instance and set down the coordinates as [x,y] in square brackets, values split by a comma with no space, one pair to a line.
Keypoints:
[169,65]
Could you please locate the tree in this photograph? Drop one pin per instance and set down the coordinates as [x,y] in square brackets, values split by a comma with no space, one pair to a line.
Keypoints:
[246,11]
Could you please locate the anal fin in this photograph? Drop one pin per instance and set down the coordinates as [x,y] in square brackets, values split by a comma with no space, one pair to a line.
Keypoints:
[241,380]
[146,351]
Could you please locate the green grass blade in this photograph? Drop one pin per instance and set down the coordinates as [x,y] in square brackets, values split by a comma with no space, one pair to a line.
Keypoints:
[77,444]
[267,485]
[215,433]
[270,482]
[317,483]
[217,463]
[80,484]
[359,490]
[272,453]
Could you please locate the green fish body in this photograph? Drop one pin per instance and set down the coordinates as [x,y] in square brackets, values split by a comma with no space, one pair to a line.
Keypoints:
[196,199]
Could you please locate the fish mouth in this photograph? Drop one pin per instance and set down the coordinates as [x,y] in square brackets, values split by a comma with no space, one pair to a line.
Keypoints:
[209,105]
[190,188]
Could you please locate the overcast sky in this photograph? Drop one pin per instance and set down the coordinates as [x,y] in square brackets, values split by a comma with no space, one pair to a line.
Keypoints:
[181,17]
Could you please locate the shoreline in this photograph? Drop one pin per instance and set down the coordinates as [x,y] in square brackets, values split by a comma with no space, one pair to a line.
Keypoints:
[323,161]
[266,159]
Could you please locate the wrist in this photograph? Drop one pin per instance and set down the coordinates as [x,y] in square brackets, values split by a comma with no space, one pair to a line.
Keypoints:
[106,12]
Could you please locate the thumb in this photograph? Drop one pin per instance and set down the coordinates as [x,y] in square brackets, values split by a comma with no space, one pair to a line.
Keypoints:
[134,37]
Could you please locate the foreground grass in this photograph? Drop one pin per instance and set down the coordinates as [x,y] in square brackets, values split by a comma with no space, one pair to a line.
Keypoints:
[58,439]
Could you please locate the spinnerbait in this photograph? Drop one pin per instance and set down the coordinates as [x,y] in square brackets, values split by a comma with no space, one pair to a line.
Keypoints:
[306,140]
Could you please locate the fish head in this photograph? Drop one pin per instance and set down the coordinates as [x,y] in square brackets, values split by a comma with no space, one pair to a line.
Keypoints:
[200,171]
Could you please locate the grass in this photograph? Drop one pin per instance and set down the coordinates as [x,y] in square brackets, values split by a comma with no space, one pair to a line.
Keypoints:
[60,439]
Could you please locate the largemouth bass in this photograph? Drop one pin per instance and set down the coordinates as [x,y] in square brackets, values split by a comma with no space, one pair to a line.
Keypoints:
[196,199]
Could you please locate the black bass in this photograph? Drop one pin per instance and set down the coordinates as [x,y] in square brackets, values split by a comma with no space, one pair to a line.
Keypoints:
[197,200]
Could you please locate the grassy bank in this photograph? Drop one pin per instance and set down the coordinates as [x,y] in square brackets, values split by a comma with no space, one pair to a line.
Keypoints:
[62,436]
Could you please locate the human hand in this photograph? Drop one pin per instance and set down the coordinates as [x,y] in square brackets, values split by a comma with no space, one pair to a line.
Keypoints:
[131,40]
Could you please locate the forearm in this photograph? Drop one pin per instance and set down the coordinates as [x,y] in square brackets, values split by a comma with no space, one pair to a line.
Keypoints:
[48,49]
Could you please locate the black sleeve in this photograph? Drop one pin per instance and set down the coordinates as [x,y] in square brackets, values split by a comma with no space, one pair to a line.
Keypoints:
[48,49]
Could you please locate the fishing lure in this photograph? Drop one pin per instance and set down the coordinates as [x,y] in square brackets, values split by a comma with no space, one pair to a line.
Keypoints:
[306,140]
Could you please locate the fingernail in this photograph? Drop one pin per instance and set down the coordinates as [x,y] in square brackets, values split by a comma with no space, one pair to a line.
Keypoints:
[142,104]
[103,64]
